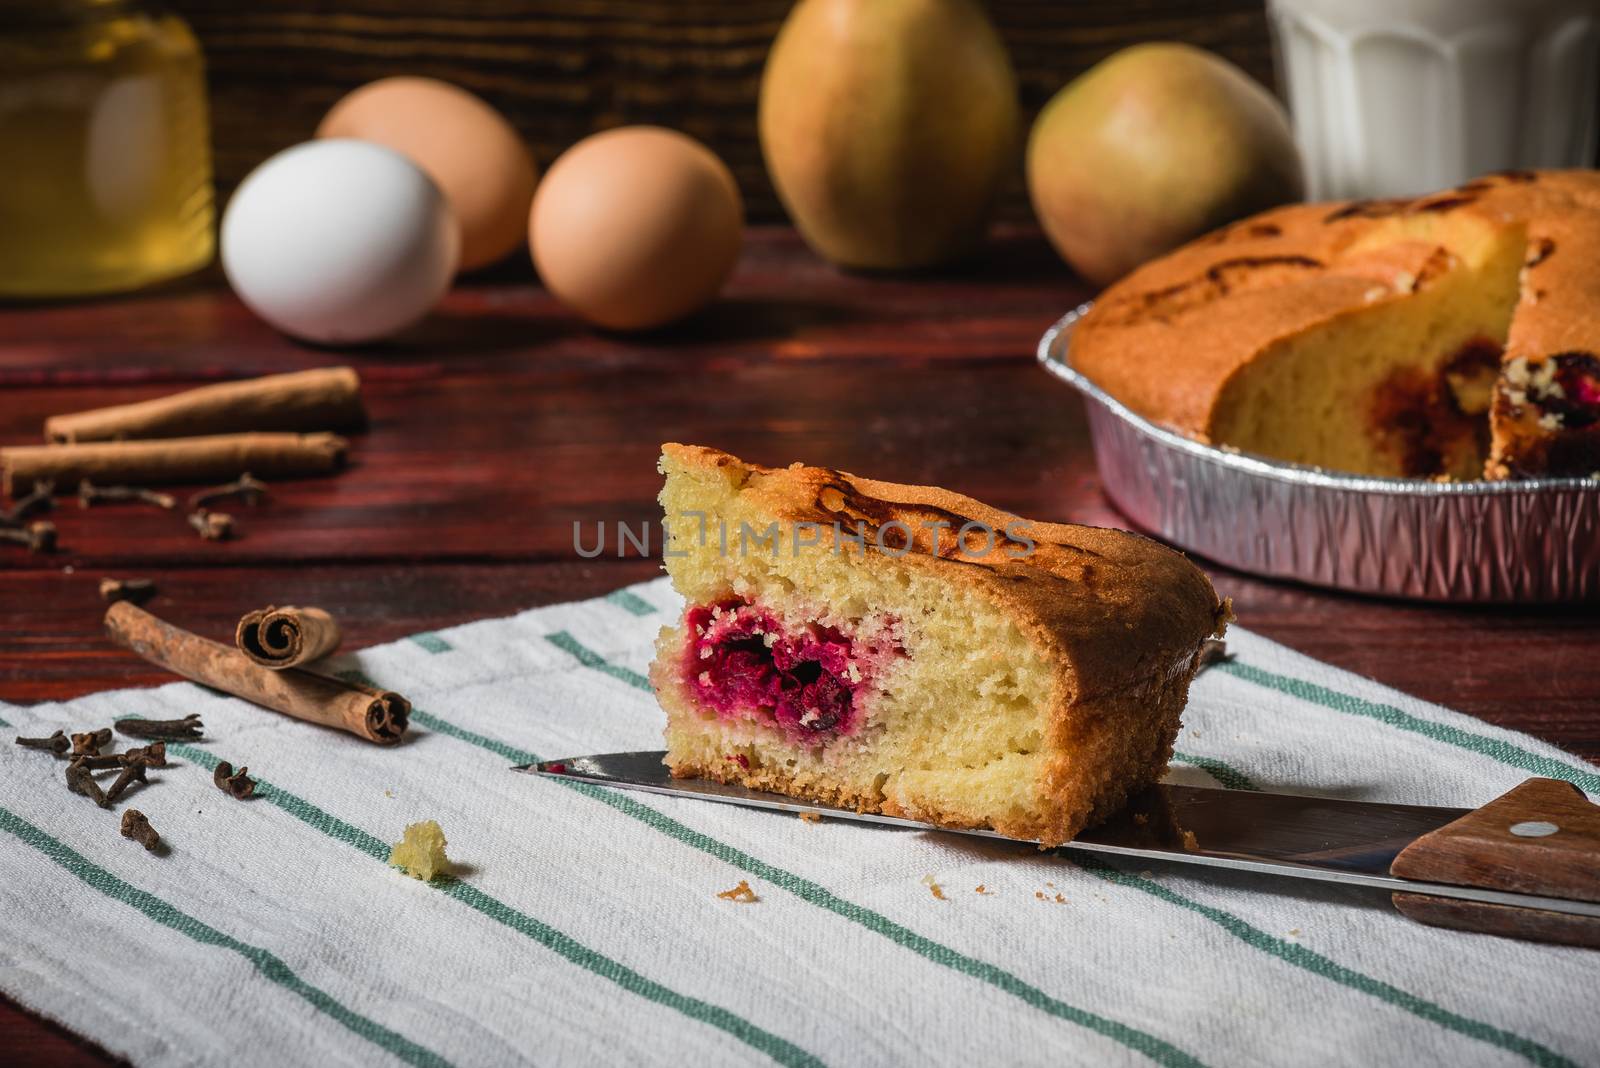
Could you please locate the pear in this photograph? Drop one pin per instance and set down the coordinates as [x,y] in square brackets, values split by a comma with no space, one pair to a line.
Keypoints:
[1151,148]
[888,127]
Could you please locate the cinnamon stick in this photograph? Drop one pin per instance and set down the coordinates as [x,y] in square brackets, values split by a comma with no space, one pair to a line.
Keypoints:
[324,399]
[377,715]
[176,460]
[281,638]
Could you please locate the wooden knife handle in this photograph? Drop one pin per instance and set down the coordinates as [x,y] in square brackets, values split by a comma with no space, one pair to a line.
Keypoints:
[1541,838]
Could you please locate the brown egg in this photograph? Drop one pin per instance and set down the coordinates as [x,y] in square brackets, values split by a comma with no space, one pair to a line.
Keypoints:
[635,227]
[467,147]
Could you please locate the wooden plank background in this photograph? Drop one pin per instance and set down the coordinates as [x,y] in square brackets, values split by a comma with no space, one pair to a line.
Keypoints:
[561,70]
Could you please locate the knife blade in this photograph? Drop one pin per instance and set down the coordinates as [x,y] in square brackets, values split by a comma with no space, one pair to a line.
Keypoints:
[1324,839]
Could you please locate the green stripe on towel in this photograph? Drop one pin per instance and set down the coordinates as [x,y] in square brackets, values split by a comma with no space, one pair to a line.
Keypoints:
[779,1049]
[1156,1049]
[1153,1047]
[431,642]
[591,659]
[269,965]
[1505,752]
[1294,954]
[1317,964]
[1226,774]
[631,602]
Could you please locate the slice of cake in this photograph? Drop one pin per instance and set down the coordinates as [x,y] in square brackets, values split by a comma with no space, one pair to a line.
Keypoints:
[1455,335]
[906,650]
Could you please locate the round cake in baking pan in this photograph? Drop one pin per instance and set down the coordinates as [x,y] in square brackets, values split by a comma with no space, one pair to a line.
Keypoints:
[1455,335]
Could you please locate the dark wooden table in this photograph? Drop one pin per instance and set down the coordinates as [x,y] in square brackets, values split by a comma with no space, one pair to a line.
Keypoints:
[502,421]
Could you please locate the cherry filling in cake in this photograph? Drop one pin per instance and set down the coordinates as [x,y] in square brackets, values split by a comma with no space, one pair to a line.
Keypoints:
[1431,422]
[741,661]
[1576,400]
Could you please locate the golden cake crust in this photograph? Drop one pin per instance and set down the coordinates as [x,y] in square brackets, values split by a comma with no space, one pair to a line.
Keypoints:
[1122,616]
[1166,340]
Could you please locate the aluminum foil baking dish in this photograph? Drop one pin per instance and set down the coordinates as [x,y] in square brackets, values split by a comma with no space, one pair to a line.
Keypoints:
[1521,541]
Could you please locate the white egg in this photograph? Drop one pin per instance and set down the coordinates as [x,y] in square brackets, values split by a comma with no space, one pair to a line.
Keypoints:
[339,241]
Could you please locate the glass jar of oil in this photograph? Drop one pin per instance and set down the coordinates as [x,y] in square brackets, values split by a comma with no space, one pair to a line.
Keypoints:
[105,159]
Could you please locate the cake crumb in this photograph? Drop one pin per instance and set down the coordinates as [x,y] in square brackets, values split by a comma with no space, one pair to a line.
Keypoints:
[420,853]
[1141,818]
[981,889]
[741,893]
[1190,842]
[1060,900]
[1039,894]
[388,793]
[933,887]
[811,817]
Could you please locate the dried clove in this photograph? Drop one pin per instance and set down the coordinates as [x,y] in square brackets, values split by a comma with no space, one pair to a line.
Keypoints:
[153,755]
[137,590]
[89,494]
[246,487]
[57,743]
[131,773]
[239,783]
[89,743]
[149,756]
[137,827]
[169,729]
[212,526]
[99,763]
[40,499]
[80,781]
[39,536]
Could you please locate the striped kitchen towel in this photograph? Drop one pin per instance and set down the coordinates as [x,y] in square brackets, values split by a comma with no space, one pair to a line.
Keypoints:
[585,924]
